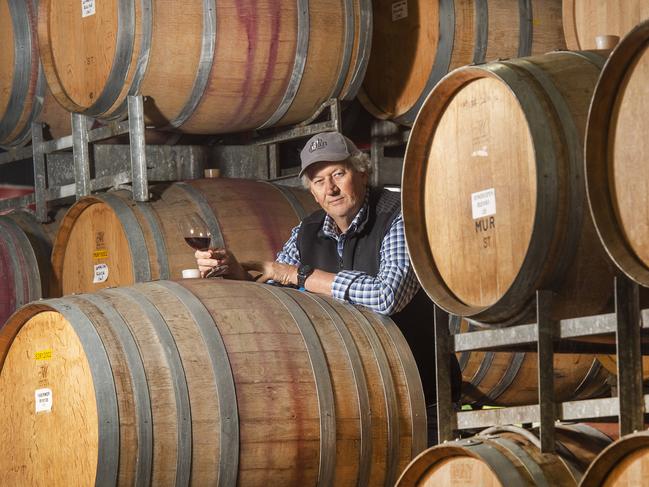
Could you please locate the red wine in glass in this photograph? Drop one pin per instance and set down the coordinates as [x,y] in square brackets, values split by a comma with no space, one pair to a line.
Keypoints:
[195,232]
[198,243]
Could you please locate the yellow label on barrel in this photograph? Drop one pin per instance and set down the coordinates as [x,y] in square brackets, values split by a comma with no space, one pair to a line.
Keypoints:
[100,254]
[43,355]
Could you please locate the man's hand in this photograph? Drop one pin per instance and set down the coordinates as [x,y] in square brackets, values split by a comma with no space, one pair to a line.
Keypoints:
[284,274]
[222,262]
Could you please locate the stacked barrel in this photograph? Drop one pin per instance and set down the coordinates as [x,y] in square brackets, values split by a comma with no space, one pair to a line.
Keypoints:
[622,463]
[416,43]
[208,383]
[138,242]
[25,267]
[24,95]
[503,456]
[205,66]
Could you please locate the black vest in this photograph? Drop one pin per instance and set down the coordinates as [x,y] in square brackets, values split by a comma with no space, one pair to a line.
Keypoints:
[361,252]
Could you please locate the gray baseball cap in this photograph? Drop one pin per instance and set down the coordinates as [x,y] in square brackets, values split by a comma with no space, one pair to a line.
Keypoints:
[327,146]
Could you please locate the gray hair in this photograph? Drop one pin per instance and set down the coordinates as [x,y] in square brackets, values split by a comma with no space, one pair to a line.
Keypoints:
[359,161]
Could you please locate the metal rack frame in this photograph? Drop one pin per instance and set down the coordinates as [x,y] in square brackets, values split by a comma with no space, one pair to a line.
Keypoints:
[626,323]
[308,127]
[386,170]
[305,129]
[80,141]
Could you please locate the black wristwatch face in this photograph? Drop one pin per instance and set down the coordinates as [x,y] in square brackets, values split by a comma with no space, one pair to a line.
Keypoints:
[303,272]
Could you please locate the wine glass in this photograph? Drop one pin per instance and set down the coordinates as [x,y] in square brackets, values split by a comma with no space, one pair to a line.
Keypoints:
[195,232]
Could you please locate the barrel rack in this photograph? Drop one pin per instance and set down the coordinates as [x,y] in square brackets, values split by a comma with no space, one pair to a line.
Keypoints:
[61,174]
[386,169]
[51,164]
[327,118]
[547,337]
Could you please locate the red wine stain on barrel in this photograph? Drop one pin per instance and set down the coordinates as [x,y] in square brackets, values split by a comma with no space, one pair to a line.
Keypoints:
[250,18]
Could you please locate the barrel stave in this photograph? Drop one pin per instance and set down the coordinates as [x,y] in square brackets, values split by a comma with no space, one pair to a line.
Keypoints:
[129,444]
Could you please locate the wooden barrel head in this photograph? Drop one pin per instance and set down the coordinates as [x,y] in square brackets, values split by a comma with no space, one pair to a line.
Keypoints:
[79,42]
[48,390]
[479,193]
[448,465]
[459,472]
[96,252]
[584,20]
[628,155]
[631,470]
[609,362]
[6,55]
[615,145]
[405,40]
[624,463]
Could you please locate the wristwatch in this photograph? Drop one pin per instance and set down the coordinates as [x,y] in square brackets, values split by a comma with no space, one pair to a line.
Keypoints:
[303,271]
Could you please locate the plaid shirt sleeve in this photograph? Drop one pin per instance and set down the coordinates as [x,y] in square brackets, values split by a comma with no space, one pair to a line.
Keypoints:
[394,285]
[290,253]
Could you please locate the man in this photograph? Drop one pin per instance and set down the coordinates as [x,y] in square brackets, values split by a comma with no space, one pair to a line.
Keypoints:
[353,249]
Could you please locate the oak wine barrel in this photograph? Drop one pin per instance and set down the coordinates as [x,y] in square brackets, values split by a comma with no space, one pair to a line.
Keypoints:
[415,43]
[625,463]
[25,268]
[24,95]
[505,457]
[493,195]
[616,148]
[511,378]
[206,382]
[609,362]
[205,66]
[109,240]
[584,20]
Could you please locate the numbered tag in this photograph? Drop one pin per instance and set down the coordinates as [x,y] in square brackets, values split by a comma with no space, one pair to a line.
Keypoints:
[43,399]
[483,203]
[101,273]
[87,8]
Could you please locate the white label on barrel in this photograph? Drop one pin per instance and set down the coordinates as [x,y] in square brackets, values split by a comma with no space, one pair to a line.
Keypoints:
[43,399]
[101,273]
[87,8]
[483,203]
[399,10]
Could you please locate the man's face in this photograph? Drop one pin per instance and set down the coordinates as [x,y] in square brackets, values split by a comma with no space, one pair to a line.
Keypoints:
[338,189]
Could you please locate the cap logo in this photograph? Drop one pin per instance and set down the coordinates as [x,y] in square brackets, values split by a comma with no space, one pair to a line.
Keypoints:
[317,144]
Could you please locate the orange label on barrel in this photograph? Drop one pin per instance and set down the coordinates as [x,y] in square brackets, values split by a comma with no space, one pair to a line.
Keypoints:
[100,254]
[43,355]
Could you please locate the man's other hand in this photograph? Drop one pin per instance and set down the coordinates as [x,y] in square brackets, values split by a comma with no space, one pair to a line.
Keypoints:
[284,274]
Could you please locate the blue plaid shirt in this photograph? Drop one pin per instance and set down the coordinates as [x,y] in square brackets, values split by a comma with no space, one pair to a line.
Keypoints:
[394,285]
